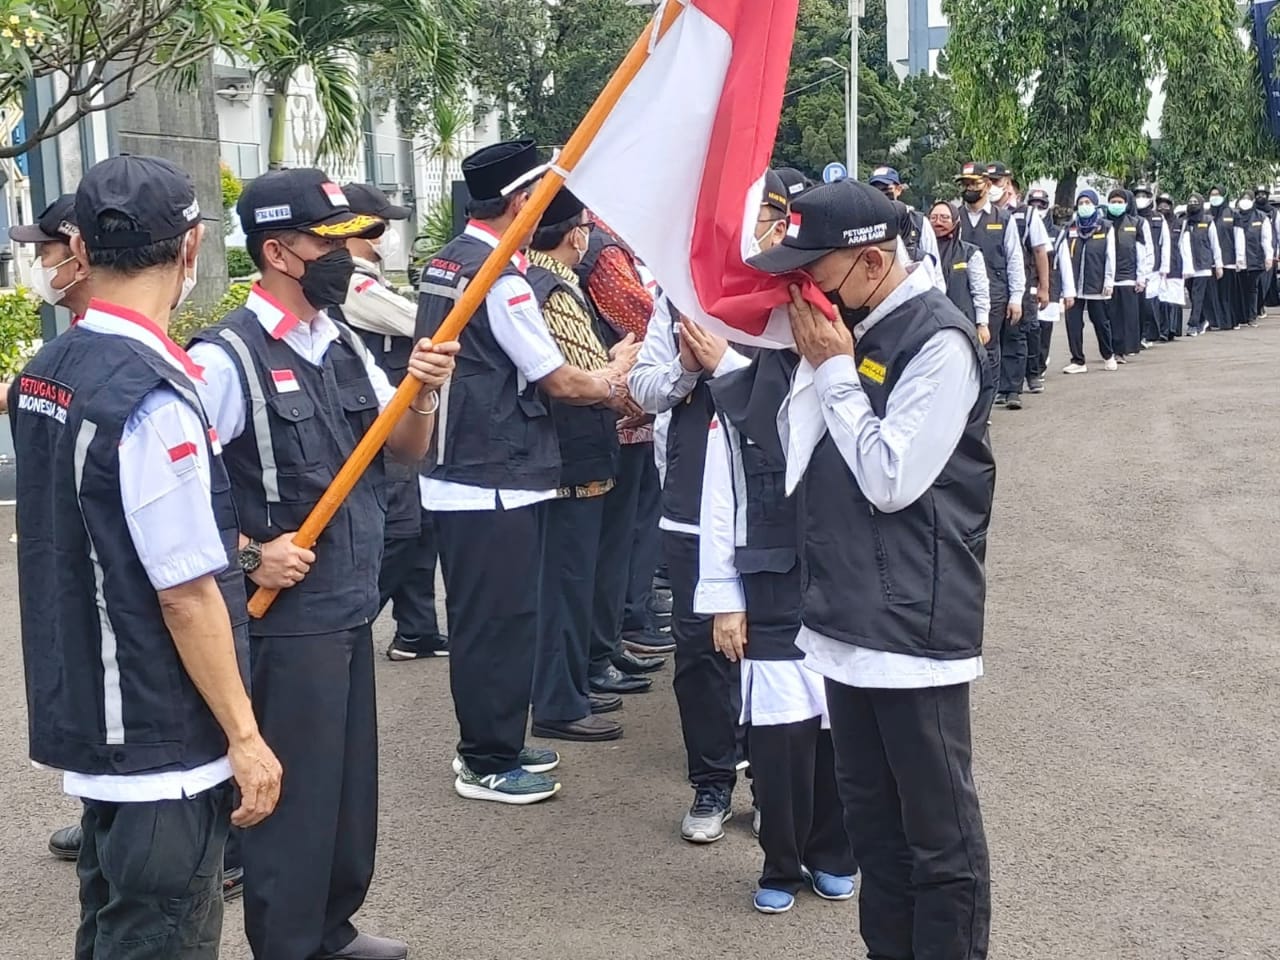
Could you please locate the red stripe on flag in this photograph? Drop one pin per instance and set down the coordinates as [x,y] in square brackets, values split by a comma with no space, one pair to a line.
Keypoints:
[182,450]
[283,376]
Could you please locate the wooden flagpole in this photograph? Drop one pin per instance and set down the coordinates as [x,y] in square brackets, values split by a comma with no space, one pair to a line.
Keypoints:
[473,296]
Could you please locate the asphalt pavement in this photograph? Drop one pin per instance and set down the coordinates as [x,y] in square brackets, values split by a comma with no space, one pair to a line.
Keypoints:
[1125,733]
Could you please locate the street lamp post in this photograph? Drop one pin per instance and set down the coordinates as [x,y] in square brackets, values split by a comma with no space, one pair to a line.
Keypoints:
[850,89]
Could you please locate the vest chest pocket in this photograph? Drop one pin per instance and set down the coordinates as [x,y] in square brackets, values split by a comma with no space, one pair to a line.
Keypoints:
[360,404]
[296,438]
[765,484]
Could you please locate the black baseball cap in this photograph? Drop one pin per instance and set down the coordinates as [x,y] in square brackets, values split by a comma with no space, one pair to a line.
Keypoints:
[795,181]
[1144,188]
[1038,195]
[973,170]
[56,223]
[997,170]
[366,198]
[158,196]
[834,216]
[305,200]
[495,171]
[775,193]
[1165,198]
[564,206]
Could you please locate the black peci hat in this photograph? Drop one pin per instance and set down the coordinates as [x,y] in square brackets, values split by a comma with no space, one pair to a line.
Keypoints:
[495,171]
[834,216]
[55,224]
[157,196]
[564,206]
[305,200]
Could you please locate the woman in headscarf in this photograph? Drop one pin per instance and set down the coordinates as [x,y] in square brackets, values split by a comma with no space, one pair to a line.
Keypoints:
[1134,262]
[1091,244]
[962,267]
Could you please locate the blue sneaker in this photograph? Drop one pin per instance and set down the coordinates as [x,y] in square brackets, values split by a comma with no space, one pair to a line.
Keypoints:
[516,786]
[829,886]
[532,759]
[773,901]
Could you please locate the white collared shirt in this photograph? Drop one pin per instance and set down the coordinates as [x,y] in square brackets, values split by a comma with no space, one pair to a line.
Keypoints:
[893,459]
[222,392]
[516,322]
[165,493]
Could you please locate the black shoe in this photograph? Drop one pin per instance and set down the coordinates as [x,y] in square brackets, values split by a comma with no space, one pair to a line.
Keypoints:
[1036,386]
[1001,399]
[232,883]
[1014,402]
[648,643]
[604,702]
[415,648]
[633,666]
[65,843]
[614,680]
[590,729]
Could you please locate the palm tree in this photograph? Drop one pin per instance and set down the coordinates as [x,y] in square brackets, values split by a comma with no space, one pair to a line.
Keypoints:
[448,118]
[329,35]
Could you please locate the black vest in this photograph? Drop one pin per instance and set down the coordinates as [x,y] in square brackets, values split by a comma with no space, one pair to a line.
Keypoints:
[106,690]
[957,269]
[749,399]
[1255,256]
[988,236]
[1201,243]
[293,444]
[588,436]
[911,582]
[1176,227]
[1056,239]
[1089,258]
[1225,222]
[686,451]
[404,501]
[1156,222]
[493,429]
[1022,218]
[1128,231]
[910,226]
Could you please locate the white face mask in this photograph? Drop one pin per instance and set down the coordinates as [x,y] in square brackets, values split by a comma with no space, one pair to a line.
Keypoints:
[1215,201]
[582,251]
[387,246]
[42,281]
[188,280]
[995,194]
[1246,205]
[1142,203]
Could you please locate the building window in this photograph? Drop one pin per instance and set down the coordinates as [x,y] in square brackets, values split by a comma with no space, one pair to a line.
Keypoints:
[386,163]
[244,159]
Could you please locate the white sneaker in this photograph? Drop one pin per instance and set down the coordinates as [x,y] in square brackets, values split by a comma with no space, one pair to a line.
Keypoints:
[1111,364]
[1075,368]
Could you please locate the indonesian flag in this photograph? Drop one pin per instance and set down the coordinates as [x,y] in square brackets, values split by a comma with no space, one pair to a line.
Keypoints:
[677,169]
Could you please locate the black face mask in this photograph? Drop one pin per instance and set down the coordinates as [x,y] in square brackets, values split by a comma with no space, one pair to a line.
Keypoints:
[973,196]
[325,280]
[852,316]
[1195,209]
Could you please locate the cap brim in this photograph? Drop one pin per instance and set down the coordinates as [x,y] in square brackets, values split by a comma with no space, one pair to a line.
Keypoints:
[784,259]
[885,181]
[394,211]
[344,226]
[31,233]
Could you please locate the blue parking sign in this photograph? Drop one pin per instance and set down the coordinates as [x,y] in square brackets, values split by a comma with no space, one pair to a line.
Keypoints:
[834,171]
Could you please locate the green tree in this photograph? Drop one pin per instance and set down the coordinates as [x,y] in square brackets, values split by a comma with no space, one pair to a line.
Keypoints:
[330,35]
[99,53]
[541,64]
[1056,87]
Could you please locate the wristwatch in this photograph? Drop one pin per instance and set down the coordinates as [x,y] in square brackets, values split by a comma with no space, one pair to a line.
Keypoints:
[250,556]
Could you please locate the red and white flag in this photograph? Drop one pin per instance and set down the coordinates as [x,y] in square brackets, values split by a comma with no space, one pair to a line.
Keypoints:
[677,170]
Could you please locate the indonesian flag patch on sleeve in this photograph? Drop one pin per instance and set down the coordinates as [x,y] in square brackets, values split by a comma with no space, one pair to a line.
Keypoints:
[284,380]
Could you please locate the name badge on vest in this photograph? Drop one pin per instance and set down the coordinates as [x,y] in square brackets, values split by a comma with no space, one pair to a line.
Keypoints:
[871,370]
[995,226]
[285,381]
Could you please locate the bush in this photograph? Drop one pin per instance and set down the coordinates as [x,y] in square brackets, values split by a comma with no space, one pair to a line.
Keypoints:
[19,330]
[192,320]
[231,190]
[239,263]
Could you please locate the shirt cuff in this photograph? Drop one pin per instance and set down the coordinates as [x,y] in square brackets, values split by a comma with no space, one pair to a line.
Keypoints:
[719,596]
[682,381]
[837,372]
[174,571]
[731,361]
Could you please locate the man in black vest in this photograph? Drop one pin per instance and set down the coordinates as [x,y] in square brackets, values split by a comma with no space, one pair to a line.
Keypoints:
[496,466]
[128,531]
[385,321]
[1030,222]
[992,230]
[1149,303]
[1255,247]
[564,707]
[1230,311]
[290,391]
[888,444]
[917,239]
[1202,266]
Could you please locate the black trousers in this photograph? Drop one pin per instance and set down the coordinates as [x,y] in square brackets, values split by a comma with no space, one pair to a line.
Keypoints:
[1122,310]
[1031,325]
[408,580]
[620,535]
[1171,318]
[1013,352]
[903,763]
[1252,292]
[151,878]
[1149,317]
[996,321]
[1204,302]
[568,604]
[646,548]
[1101,320]
[492,564]
[312,860]
[1046,340]
[1228,313]
[708,693]
[801,818]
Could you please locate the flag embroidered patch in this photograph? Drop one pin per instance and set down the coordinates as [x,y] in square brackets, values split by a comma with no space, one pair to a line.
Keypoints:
[793,228]
[335,194]
[284,380]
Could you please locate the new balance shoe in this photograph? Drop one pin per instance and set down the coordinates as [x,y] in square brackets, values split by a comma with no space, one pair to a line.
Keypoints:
[704,823]
[829,886]
[418,648]
[517,786]
[773,901]
[532,760]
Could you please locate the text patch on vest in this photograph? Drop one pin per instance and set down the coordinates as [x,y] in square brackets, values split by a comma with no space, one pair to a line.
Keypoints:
[871,370]
[45,397]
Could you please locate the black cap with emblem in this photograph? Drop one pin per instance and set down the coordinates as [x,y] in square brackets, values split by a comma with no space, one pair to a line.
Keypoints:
[56,223]
[305,200]
[775,193]
[368,199]
[834,216]
[1038,197]
[157,196]
[795,181]
[495,171]
[973,170]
